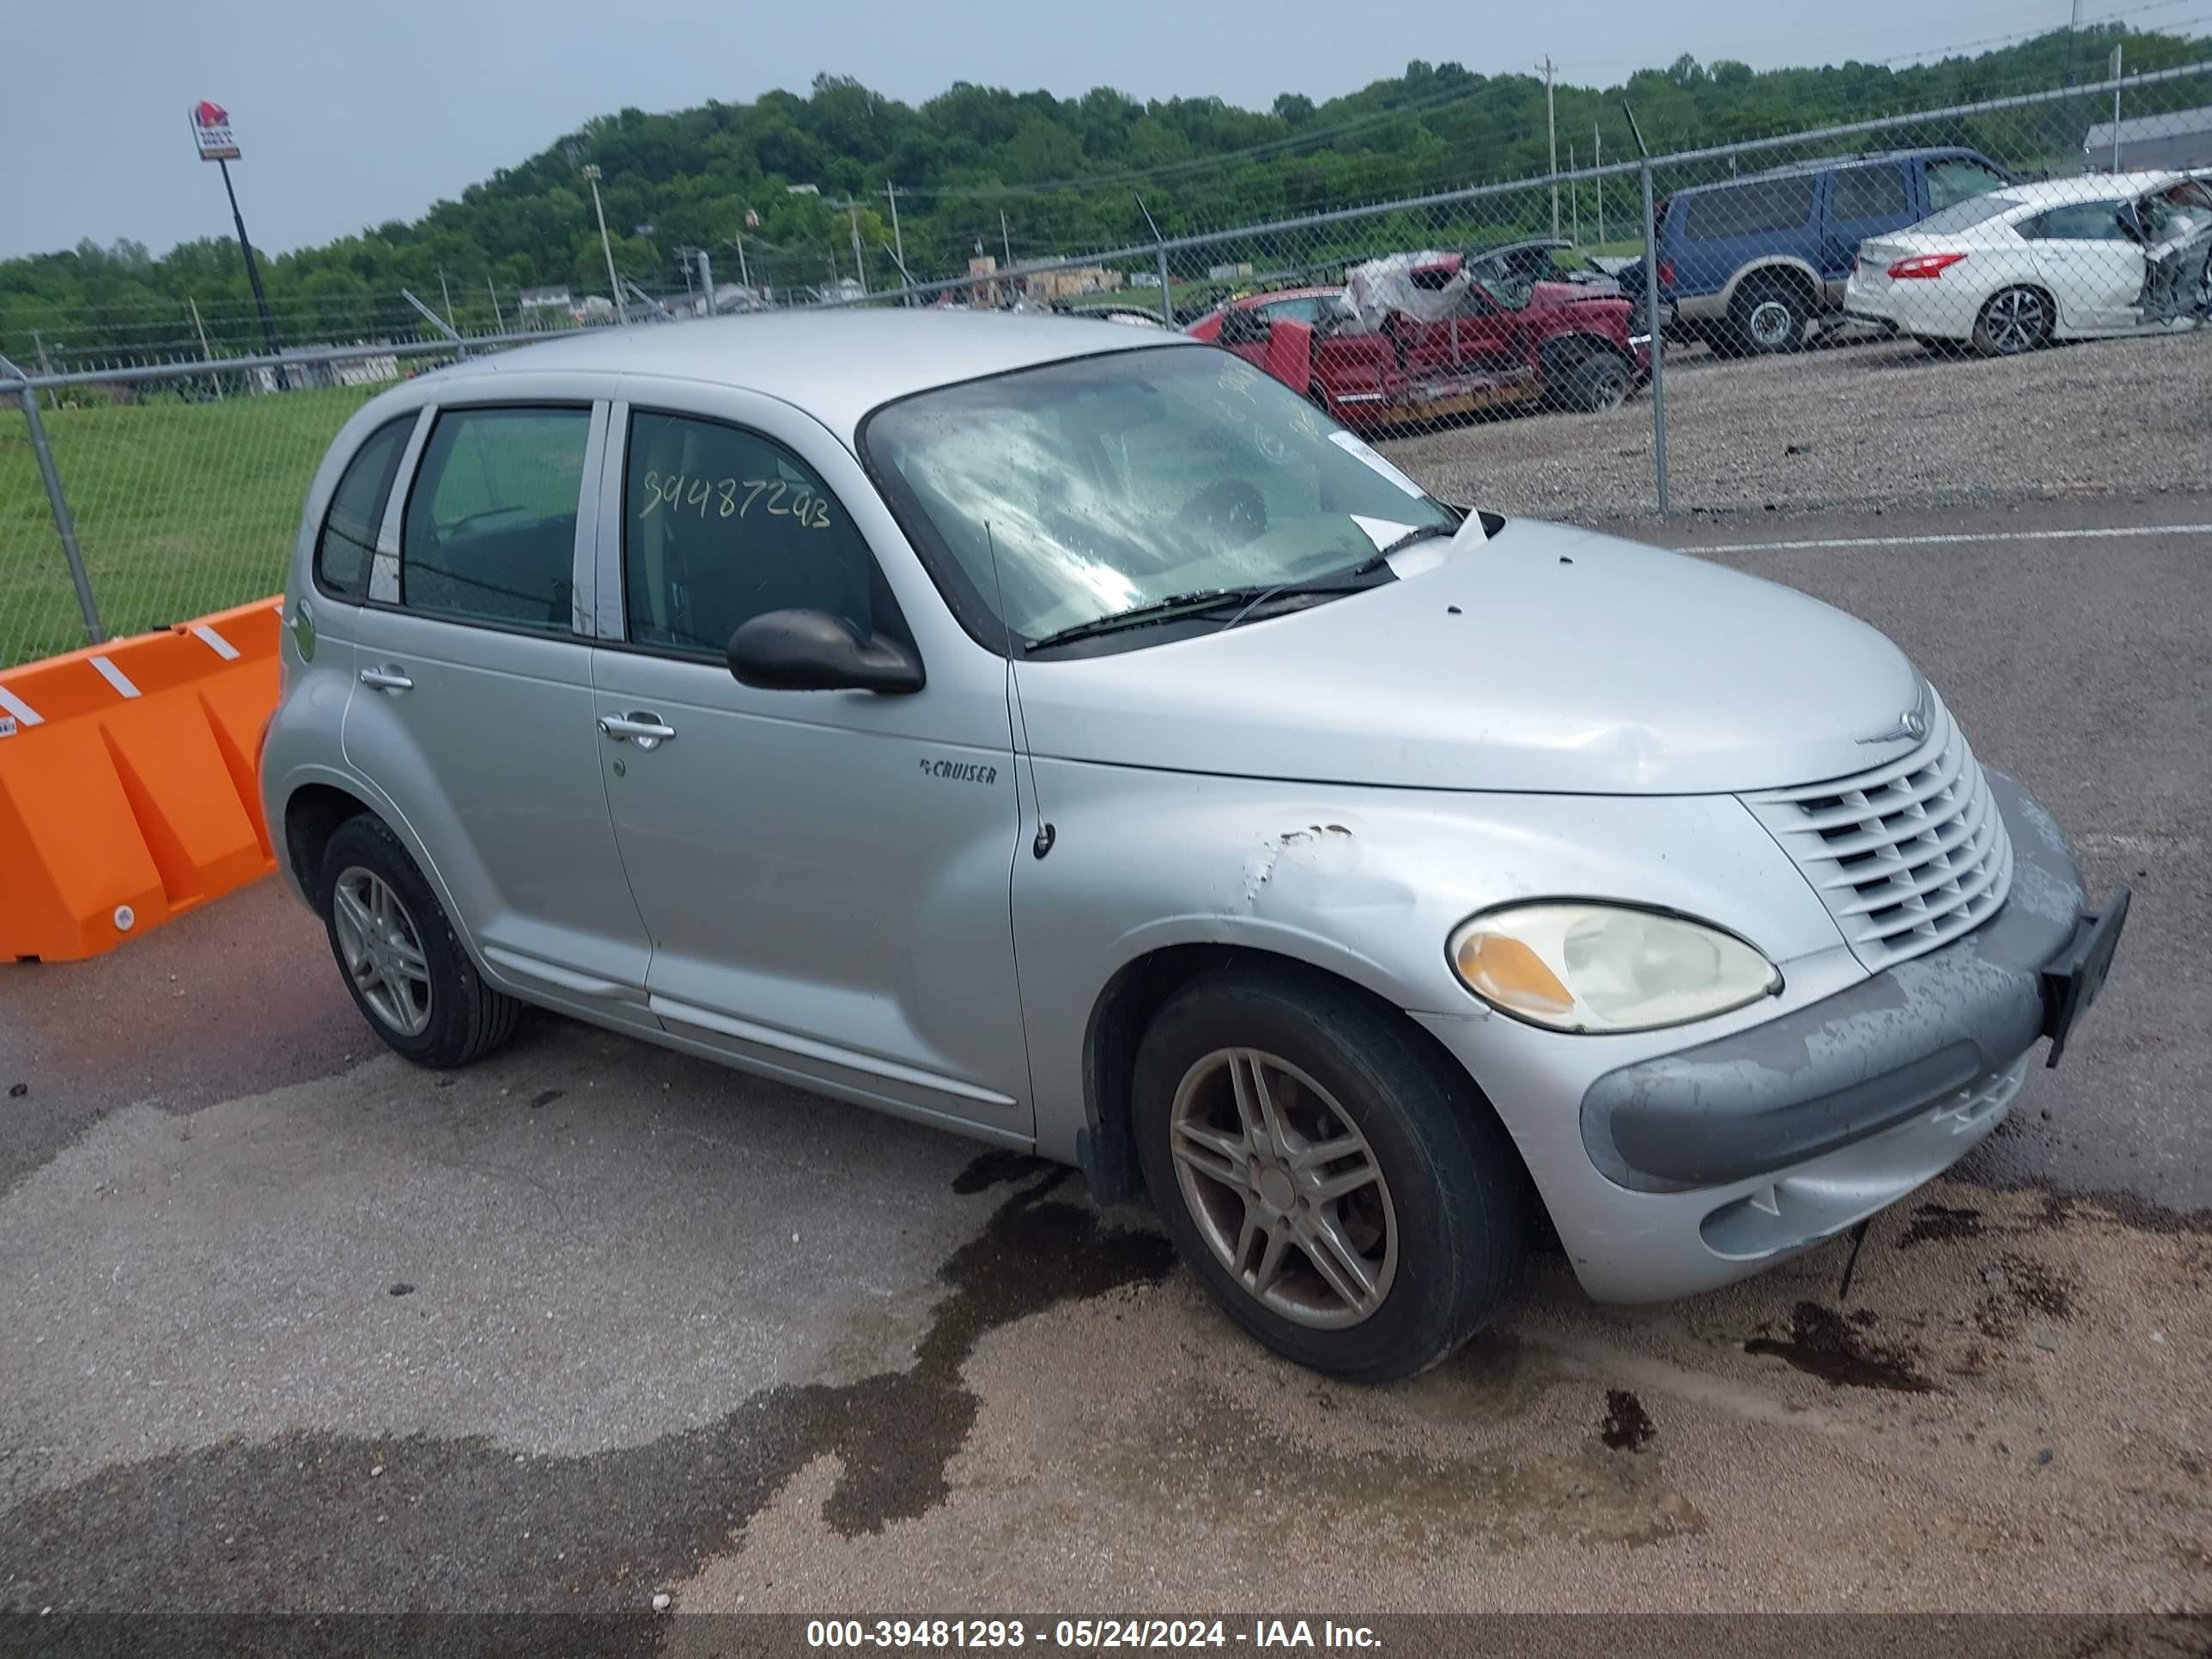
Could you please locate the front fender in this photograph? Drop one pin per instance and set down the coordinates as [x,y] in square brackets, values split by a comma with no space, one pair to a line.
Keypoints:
[1364,883]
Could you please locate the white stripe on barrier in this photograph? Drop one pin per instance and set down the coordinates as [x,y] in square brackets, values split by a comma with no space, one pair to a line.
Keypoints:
[115,676]
[22,710]
[214,642]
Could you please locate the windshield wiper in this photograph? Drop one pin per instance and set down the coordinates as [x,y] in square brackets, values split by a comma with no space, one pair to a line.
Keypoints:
[1195,603]
[1423,533]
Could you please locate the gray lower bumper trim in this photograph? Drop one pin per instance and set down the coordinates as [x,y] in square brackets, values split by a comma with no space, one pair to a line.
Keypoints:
[1855,1063]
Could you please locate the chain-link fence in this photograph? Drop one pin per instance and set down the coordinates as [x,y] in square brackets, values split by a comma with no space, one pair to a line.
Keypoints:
[1844,317]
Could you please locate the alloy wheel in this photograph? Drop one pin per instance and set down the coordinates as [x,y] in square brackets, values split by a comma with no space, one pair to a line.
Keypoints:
[383,951]
[2016,321]
[1283,1188]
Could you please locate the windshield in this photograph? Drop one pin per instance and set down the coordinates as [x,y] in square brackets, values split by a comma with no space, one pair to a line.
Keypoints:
[1053,496]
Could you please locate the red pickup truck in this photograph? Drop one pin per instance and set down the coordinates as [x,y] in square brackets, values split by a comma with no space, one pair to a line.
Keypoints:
[1420,338]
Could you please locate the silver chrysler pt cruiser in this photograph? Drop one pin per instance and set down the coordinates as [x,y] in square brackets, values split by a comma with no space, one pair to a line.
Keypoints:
[1069,736]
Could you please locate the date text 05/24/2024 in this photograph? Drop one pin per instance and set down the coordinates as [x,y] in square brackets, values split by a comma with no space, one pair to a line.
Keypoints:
[1090,1634]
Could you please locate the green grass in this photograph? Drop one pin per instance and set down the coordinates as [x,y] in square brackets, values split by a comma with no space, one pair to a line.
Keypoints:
[180,508]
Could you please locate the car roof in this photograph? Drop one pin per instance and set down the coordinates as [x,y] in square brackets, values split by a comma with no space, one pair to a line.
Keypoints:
[2088,187]
[1828,163]
[837,365]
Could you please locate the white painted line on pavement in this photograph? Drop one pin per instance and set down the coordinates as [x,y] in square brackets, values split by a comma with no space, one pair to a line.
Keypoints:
[2110,534]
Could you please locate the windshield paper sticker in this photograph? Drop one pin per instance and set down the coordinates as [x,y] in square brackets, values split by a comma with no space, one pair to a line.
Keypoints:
[1381,531]
[1351,445]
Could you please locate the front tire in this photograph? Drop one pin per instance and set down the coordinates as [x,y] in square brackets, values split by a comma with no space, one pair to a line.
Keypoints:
[1352,1203]
[1596,385]
[2012,321]
[407,970]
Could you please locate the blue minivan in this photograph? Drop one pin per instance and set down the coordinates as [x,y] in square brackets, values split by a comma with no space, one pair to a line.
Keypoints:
[1747,265]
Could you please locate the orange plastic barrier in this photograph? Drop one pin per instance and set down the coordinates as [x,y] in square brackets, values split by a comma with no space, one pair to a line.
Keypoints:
[127,786]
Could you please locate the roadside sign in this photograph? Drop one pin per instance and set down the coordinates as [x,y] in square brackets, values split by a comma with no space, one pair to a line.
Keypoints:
[211,132]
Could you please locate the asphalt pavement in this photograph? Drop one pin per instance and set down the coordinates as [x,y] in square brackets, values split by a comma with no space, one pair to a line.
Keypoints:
[291,1325]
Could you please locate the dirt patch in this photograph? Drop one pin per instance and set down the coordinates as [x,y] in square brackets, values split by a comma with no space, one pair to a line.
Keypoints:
[2034,1285]
[1823,1344]
[1628,1426]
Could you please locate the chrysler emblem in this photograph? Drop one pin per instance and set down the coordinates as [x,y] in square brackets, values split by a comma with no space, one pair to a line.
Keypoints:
[1912,726]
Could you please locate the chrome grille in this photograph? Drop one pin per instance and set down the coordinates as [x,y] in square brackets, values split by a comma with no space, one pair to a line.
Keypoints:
[1905,856]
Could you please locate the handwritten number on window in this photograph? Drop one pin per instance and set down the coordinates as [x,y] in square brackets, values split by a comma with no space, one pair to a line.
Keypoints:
[676,491]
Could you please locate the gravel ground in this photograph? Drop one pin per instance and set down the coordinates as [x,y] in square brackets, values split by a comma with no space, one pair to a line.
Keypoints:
[1856,426]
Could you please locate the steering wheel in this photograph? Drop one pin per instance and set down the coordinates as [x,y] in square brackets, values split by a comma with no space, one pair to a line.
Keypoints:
[1230,512]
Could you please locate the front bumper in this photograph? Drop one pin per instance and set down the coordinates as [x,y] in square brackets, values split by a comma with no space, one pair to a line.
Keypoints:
[1715,1161]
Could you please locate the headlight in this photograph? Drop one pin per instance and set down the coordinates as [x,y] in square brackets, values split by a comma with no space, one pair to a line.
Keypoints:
[1606,967]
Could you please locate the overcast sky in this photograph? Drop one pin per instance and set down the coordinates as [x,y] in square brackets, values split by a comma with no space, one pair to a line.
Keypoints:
[351,115]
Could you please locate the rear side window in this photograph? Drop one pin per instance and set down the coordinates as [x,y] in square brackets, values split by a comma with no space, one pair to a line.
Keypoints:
[1763,206]
[490,531]
[1974,210]
[1875,192]
[719,525]
[348,542]
[1959,180]
[2078,221]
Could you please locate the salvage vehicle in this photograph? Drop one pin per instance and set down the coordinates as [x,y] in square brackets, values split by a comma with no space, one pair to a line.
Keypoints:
[1749,264]
[1070,736]
[2084,258]
[1416,338]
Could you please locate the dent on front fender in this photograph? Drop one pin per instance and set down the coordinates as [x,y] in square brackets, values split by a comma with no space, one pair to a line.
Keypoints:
[1362,882]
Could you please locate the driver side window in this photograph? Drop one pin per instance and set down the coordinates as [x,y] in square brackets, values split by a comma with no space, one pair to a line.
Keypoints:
[721,524]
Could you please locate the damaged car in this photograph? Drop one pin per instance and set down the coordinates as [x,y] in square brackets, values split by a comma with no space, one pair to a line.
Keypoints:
[1414,338]
[2085,259]
[1070,738]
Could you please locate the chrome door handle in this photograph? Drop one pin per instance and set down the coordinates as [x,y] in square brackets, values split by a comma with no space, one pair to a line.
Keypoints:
[640,728]
[390,677]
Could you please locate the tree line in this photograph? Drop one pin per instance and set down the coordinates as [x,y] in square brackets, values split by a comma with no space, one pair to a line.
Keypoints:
[799,180]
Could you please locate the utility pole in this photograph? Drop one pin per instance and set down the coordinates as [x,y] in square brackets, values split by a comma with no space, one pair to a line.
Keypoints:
[853,216]
[1552,121]
[1597,160]
[1005,244]
[1574,203]
[898,241]
[447,294]
[498,320]
[745,275]
[200,329]
[614,282]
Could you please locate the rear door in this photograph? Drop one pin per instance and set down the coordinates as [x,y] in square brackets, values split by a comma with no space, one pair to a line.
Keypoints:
[2093,267]
[1861,202]
[474,716]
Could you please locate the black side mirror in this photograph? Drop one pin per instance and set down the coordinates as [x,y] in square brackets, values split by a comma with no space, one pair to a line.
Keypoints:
[814,651]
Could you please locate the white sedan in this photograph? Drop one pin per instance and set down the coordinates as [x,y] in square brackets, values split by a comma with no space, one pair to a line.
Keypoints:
[2066,260]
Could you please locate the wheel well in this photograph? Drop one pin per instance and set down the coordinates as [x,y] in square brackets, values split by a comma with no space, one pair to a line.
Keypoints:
[311,816]
[1126,1007]
[1564,353]
[1769,276]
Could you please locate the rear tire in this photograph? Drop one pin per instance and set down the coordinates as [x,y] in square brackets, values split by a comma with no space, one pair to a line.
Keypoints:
[1436,1210]
[1769,315]
[409,973]
[2013,320]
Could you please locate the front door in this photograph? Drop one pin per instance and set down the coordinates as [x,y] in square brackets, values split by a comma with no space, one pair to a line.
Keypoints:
[474,713]
[2091,262]
[825,875]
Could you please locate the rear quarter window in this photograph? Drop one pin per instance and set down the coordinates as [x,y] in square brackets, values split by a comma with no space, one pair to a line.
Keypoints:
[347,541]
[1762,207]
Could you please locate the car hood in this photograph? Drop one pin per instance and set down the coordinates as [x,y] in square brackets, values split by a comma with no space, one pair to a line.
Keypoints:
[1540,659]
